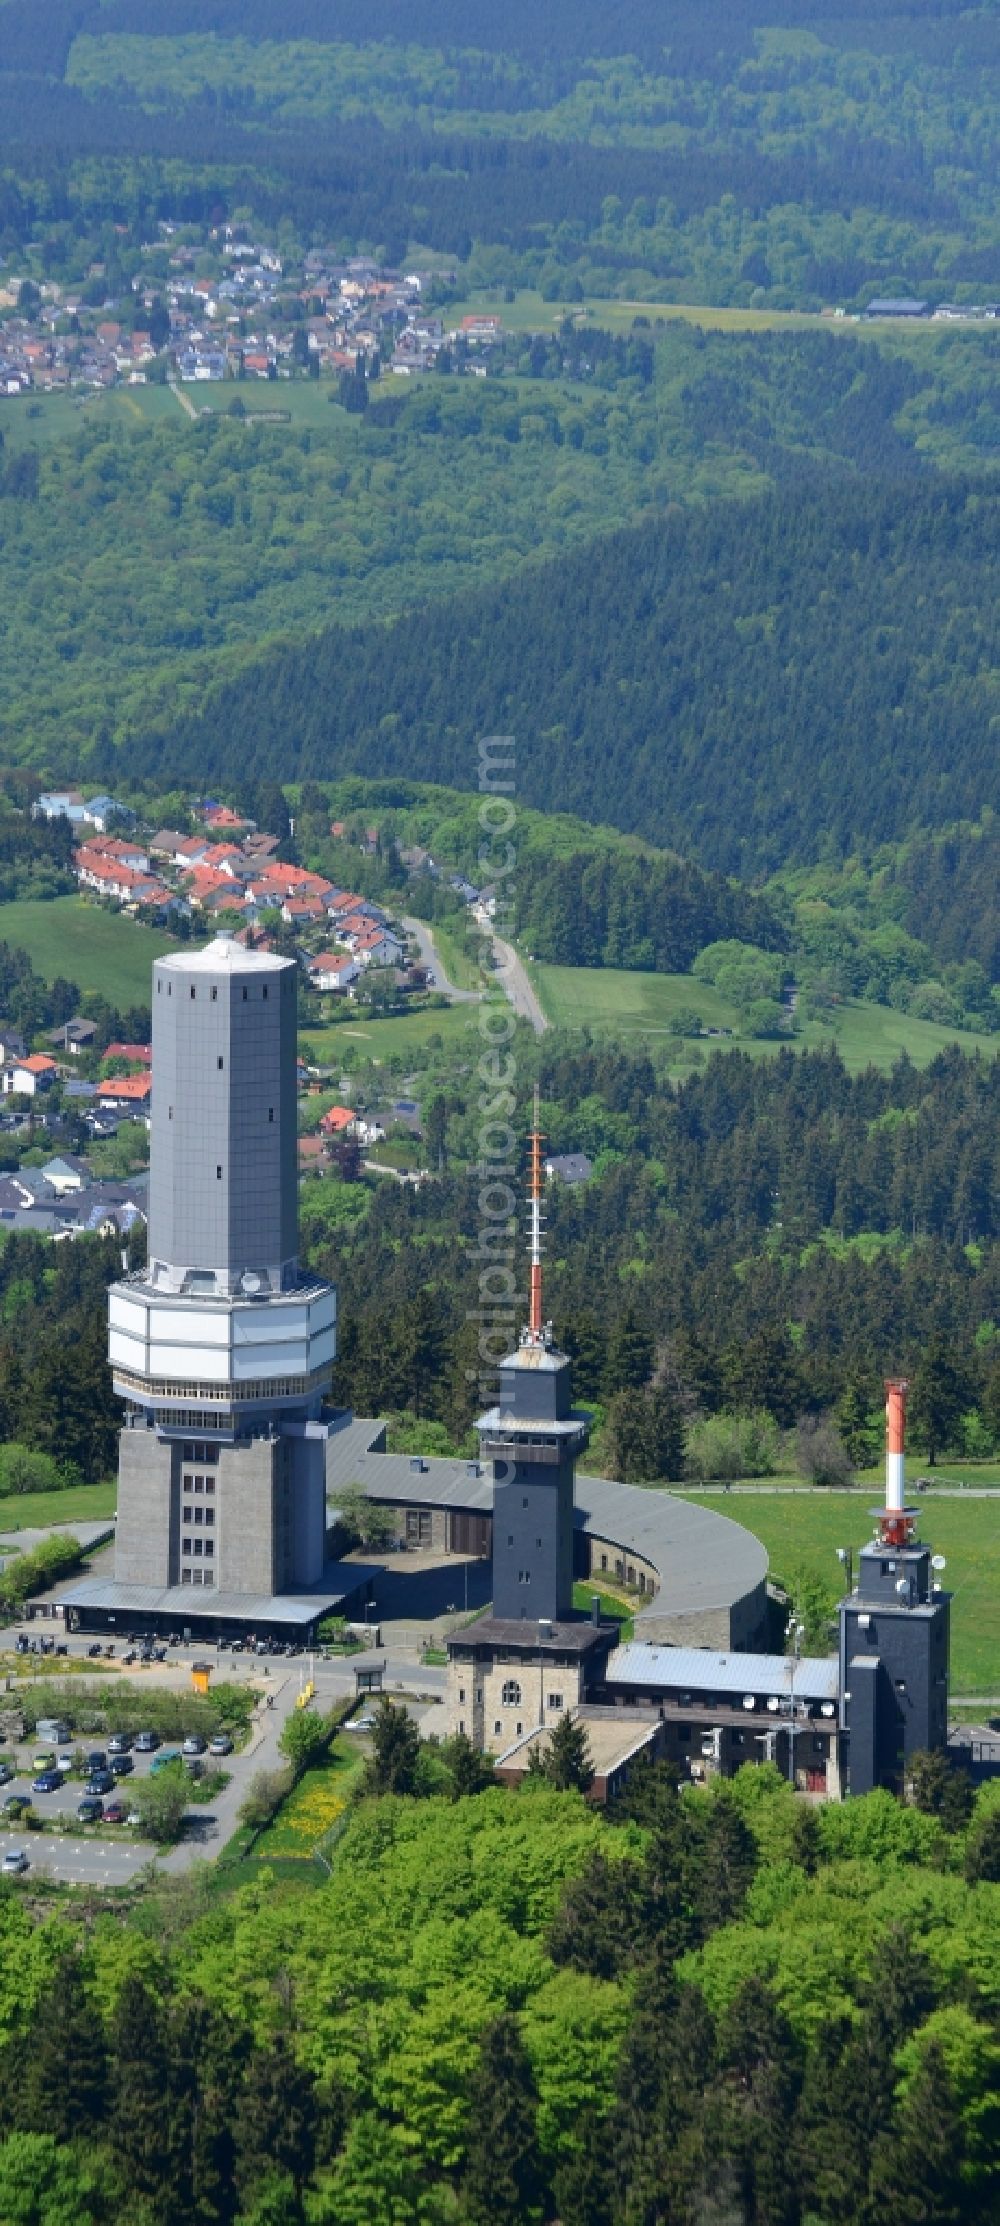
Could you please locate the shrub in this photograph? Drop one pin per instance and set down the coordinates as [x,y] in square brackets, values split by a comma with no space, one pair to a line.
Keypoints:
[724,1446]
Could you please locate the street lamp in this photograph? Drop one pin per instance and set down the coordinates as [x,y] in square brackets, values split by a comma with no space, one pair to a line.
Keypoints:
[797,1632]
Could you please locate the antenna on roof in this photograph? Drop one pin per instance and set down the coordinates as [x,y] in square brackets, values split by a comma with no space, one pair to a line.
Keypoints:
[535,1196]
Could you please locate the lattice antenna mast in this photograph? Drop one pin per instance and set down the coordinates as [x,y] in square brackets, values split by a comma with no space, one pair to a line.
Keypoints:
[535,1197]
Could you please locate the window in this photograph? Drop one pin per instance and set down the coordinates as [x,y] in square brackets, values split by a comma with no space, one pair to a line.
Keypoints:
[461,1724]
[264,993]
[193,990]
[510,1539]
[210,1549]
[511,1695]
[518,1729]
[497,1727]
[461,1695]
[218,1174]
[604,1561]
[220,1062]
[524,1503]
[209,1515]
[270,1112]
[186,1546]
[215,994]
[245,996]
[170,1112]
[555,1700]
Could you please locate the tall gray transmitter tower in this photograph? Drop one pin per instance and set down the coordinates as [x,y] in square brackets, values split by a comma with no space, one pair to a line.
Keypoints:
[221,1351]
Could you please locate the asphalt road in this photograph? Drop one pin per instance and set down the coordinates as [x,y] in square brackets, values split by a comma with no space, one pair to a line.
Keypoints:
[517,987]
[430,957]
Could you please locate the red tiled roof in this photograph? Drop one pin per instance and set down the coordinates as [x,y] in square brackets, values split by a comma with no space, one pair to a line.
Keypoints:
[140,1052]
[37,1064]
[137,1086]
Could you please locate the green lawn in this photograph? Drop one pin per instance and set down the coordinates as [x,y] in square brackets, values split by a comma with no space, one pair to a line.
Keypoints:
[624,1004]
[382,1039]
[79,1503]
[96,949]
[805,1530]
[38,419]
[296,403]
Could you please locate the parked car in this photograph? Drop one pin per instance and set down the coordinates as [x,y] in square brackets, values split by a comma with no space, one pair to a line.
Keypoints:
[43,1761]
[99,1781]
[120,1743]
[194,1744]
[90,1810]
[48,1781]
[115,1812]
[121,1766]
[14,1862]
[221,1744]
[164,1760]
[66,1761]
[146,1742]
[6,1773]
[96,1759]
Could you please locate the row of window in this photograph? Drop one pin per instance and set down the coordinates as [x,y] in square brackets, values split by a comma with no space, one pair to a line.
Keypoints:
[197,1576]
[198,1516]
[197,1485]
[197,1547]
[213,992]
[206,1454]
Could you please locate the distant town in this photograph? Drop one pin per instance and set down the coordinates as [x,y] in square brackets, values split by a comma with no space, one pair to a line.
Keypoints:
[253,319]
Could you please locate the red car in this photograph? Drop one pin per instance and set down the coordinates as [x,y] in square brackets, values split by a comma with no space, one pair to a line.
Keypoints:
[115,1812]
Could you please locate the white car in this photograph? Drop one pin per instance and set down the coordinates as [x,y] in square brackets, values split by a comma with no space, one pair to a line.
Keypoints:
[360,1723]
[66,1761]
[14,1862]
[221,1744]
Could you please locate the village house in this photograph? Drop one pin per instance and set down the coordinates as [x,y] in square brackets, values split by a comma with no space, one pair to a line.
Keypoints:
[127,1093]
[28,1077]
[331,972]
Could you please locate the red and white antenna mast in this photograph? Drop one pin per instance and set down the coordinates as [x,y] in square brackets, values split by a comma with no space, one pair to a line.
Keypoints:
[896,1520]
[535,1196]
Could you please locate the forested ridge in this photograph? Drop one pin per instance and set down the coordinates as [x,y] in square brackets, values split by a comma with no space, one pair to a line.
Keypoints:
[503,2008]
[752,685]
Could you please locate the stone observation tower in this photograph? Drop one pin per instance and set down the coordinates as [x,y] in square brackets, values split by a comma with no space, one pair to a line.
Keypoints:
[523,1665]
[221,1351]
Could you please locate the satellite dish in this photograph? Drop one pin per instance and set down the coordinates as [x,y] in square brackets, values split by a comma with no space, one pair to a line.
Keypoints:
[774,1704]
[827,1708]
[749,1700]
[938,1561]
[902,1586]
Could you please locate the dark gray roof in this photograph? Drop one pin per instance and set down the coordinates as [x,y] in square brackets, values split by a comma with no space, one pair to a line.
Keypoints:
[703,1560]
[341,1580]
[570,1167]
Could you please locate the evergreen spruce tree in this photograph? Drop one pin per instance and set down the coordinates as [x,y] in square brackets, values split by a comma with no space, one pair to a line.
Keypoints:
[599,1924]
[276,2119]
[758,2091]
[567,1760]
[140,2120]
[502,2184]
[728,1864]
[916,2177]
[834,2123]
[630,1355]
[63,2084]
[395,1756]
[982,1851]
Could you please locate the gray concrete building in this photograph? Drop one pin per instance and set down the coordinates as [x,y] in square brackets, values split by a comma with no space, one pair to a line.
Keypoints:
[219,1347]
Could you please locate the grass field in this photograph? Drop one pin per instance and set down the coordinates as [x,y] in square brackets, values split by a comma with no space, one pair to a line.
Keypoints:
[625,1004]
[79,1503]
[804,1530]
[87,945]
[385,1039]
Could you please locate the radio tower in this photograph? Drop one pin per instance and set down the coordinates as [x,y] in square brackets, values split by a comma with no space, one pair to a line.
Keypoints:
[536,1334]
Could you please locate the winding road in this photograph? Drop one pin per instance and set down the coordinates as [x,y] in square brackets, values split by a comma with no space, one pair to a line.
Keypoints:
[430,958]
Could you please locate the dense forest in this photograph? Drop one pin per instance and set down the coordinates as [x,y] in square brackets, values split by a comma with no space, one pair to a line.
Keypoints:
[503,2008]
[767,1235]
[628,676]
[246,533]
